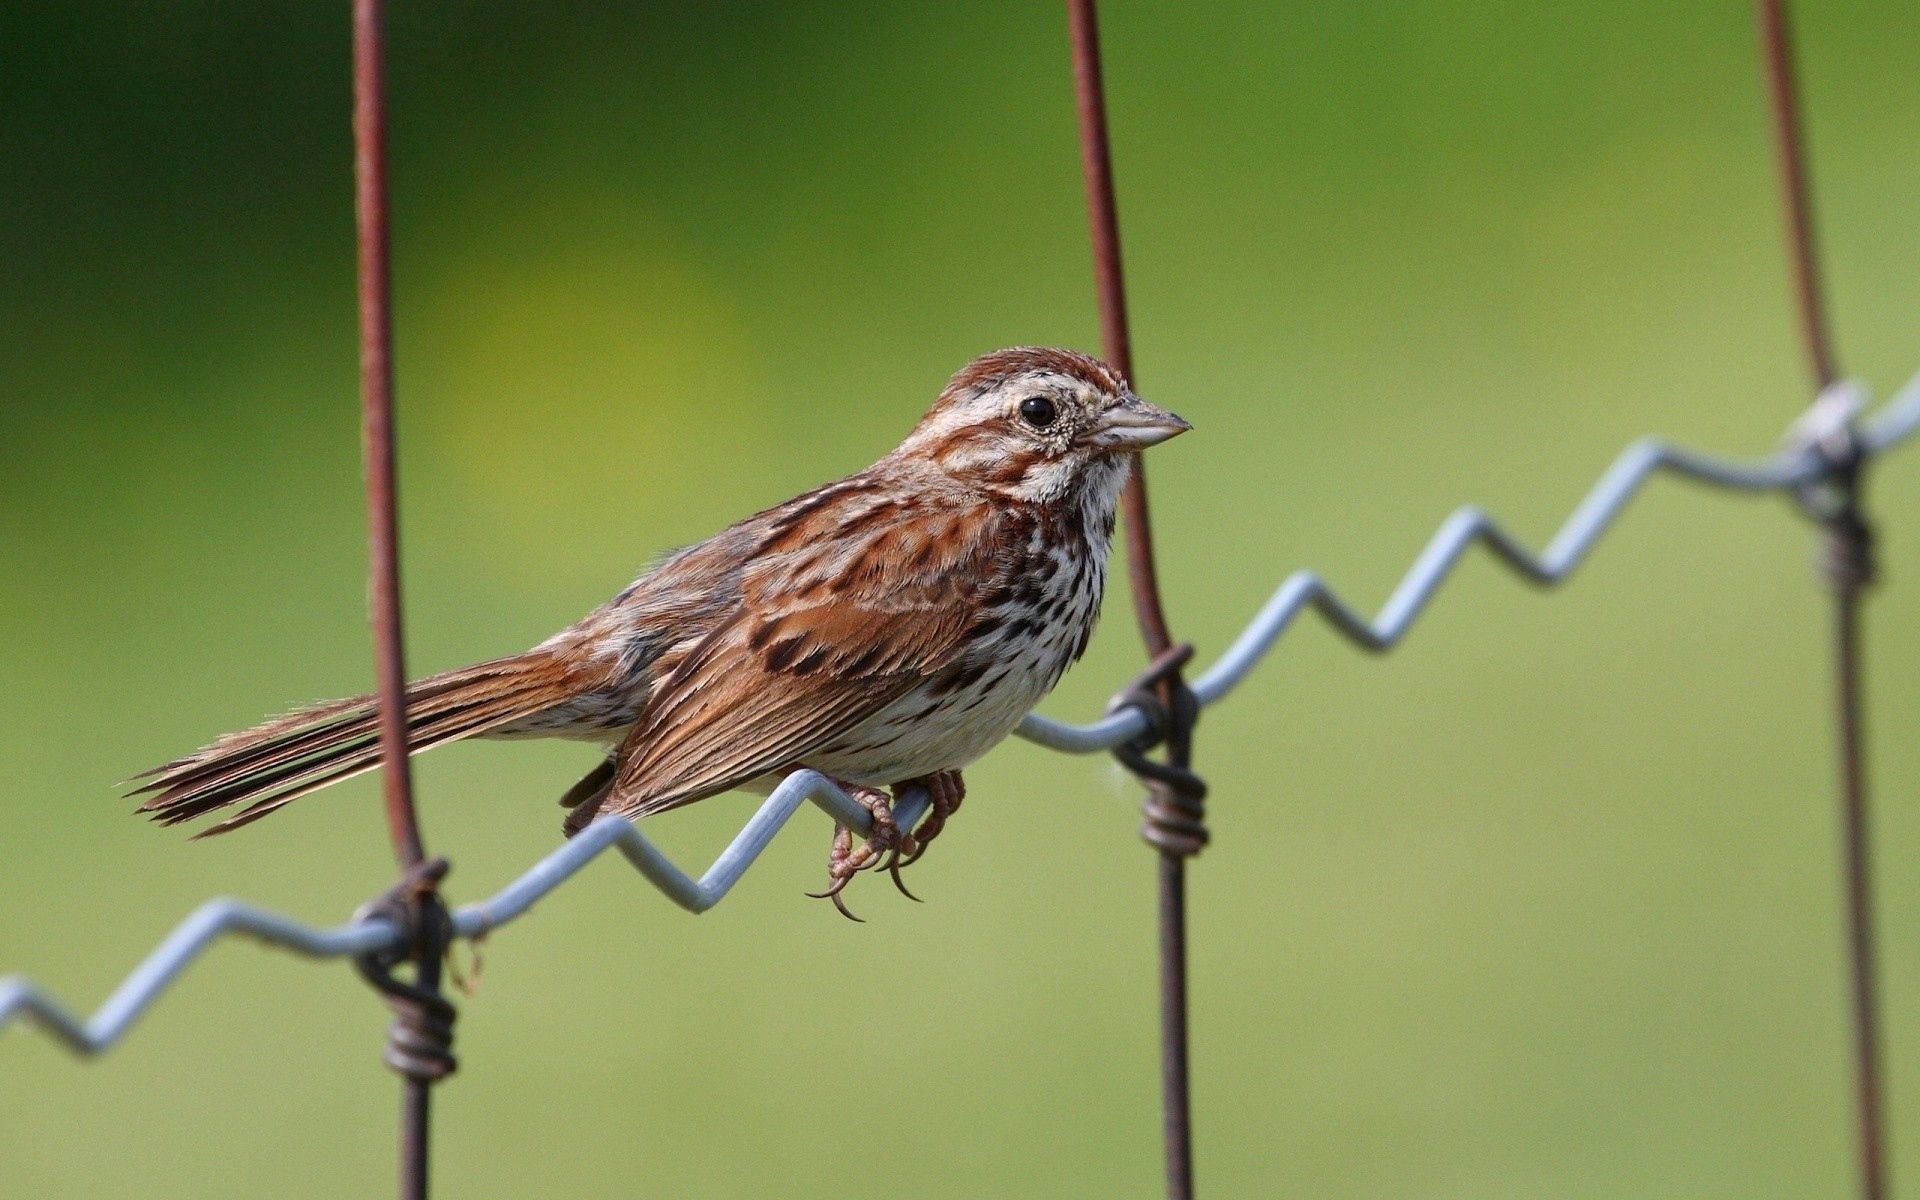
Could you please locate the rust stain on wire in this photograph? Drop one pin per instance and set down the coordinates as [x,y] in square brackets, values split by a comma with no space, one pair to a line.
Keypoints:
[1096,161]
[1167,805]
[1848,566]
[419,1041]
[376,393]
[1776,49]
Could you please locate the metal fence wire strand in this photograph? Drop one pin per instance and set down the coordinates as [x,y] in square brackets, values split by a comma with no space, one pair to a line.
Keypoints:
[376,390]
[1820,466]
[1847,564]
[1174,811]
[420,1039]
[1793,469]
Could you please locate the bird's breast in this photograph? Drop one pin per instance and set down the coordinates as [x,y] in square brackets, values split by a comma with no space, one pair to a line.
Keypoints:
[1025,644]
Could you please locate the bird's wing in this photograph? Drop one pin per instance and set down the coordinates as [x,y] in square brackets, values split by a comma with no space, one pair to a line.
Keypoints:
[853,597]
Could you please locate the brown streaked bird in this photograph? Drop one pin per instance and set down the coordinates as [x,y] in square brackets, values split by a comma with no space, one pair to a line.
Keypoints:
[885,630]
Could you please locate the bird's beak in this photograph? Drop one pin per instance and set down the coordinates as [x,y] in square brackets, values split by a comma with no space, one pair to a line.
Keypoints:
[1135,425]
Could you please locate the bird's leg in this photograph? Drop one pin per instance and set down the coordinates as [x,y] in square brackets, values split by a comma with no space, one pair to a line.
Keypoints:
[946,789]
[845,860]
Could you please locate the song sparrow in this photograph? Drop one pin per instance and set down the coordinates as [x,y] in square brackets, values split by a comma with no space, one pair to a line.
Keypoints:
[885,630]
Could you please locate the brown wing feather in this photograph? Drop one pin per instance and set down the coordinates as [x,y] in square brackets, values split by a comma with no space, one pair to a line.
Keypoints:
[856,597]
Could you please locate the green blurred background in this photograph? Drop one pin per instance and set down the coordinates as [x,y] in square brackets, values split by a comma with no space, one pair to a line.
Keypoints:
[1543,904]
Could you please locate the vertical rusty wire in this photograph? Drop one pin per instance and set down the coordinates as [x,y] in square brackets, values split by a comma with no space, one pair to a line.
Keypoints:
[1860,925]
[376,394]
[1849,569]
[376,389]
[1776,48]
[1097,168]
[1096,162]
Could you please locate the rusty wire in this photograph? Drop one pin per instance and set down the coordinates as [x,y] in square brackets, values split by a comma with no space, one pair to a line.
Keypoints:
[419,1043]
[1846,562]
[1800,467]
[1174,813]
[1783,96]
[376,392]
[1822,467]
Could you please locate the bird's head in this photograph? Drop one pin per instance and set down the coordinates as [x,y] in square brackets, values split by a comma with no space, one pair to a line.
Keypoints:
[1038,425]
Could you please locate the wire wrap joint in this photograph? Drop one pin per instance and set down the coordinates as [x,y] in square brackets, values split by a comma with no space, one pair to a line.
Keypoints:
[420,1039]
[1173,816]
[1832,499]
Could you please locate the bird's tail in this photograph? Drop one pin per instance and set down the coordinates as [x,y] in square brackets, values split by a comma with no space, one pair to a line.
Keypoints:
[274,764]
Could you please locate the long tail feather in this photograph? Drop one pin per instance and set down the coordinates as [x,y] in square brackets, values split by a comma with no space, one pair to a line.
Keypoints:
[273,764]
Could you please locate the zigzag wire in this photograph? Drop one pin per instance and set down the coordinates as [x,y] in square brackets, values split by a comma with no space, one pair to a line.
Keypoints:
[21,999]
[1797,466]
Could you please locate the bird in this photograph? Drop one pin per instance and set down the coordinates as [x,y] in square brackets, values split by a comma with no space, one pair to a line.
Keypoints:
[885,630]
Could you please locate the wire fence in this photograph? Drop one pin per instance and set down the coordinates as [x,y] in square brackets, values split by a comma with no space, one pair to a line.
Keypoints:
[1819,466]
[1802,464]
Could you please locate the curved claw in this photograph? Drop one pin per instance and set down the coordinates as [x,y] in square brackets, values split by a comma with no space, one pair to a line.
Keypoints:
[833,894]
[887,847]
[892,862]
[887,857]
[901,884]
[833,889]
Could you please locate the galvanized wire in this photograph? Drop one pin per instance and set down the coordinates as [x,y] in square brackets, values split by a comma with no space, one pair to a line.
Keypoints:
[21,999]
[1801,463]
[1794,467]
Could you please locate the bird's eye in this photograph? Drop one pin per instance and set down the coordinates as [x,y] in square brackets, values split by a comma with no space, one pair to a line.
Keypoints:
[1037,411]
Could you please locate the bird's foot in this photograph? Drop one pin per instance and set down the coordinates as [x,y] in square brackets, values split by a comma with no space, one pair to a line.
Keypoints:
[945,789]
[885,844]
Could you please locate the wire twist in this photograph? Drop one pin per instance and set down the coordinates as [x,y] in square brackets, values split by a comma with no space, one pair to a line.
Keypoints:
[1832,498]
[420,1040]
[1173,816]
